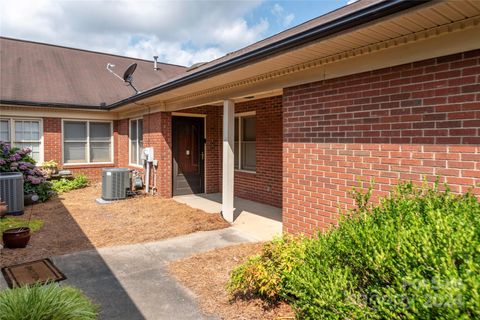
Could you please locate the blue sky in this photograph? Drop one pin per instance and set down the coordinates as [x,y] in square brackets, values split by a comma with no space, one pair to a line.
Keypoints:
[179,32]
[301,10]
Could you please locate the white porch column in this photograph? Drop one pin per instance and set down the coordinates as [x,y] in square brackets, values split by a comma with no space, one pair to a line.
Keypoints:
[228,160]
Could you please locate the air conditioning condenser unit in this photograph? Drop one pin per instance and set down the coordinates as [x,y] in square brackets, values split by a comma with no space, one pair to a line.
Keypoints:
[116,183]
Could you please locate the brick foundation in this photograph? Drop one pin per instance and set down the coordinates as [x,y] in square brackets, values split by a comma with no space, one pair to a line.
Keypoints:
[411,122]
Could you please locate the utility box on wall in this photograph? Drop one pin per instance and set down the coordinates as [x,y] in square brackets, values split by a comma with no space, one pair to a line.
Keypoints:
[147,154]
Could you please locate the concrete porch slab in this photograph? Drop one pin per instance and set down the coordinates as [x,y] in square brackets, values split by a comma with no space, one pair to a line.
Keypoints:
[258,220]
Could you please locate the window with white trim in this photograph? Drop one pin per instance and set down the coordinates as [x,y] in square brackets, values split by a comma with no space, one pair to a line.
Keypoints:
[23,133]
[245,142]
[136,141]
[87,141]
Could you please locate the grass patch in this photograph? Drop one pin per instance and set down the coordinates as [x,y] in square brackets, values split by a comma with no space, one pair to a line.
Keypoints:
[46,302]
[7,223]
[65,185]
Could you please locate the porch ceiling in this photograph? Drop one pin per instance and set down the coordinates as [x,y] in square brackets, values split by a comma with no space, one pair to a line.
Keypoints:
[267,77]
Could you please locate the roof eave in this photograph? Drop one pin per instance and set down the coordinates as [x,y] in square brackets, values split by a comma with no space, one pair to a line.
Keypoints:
[52,105]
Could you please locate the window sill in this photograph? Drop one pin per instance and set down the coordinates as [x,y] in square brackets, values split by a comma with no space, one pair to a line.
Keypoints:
[245,171]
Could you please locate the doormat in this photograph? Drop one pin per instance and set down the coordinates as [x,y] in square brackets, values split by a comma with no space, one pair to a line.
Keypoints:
[34,272]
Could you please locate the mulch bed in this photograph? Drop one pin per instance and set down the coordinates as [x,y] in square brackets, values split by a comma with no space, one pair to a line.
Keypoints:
[75,222]
[207,274]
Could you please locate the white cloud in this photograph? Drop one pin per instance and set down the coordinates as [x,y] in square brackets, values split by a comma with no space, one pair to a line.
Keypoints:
[283,18]
[181,32]
[238,31]
[171,52]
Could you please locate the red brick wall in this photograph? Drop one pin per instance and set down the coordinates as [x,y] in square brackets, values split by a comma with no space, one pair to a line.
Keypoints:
[411,122]
[265,185]
[92,171]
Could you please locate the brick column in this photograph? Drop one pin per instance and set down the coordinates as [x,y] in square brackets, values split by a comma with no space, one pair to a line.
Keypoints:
[157,133]
[121,143]
[52,139]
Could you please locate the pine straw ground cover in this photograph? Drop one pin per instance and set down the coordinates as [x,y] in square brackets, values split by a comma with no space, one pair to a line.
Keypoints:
[207,274]
[74,222]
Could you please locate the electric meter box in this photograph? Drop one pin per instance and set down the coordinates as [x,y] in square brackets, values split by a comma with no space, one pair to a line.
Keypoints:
[147,154]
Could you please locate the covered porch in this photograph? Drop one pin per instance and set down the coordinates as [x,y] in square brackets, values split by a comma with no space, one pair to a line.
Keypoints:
[228,158]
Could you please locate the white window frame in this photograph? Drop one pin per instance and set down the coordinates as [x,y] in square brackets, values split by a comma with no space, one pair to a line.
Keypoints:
[130,142]
[11,128]
[88,142]
[239,116]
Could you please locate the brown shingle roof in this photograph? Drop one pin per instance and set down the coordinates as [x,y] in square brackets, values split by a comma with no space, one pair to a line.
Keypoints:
[44,73]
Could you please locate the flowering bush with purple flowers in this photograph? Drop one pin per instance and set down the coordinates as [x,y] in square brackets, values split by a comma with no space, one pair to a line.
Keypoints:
[19,160]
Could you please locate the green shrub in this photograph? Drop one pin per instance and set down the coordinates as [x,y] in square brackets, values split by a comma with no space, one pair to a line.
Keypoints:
[415,255]
[264,274]
[65,185]
[43,190]
[46,302]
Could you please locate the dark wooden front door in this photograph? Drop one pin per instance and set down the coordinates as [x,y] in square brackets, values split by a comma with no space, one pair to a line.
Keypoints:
[188,155]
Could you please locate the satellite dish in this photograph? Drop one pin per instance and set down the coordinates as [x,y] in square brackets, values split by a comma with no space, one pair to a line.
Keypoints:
[127,75]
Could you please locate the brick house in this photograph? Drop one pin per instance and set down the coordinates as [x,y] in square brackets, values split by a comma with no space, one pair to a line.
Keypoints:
[376,90]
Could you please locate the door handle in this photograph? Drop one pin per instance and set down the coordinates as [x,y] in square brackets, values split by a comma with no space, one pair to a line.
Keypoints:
[187,152]
[203,156]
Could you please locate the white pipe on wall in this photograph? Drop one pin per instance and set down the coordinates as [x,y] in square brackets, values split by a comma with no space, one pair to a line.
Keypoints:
[147,178]
[154,189]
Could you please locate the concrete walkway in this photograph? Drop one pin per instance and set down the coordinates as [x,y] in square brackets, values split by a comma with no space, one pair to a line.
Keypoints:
[258,220]
[132,282]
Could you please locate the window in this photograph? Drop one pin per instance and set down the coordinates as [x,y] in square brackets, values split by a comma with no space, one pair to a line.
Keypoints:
[136,141]
[75,142]
[87,141]
[245,142]
[100,137]
[5,130]
[23,133]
